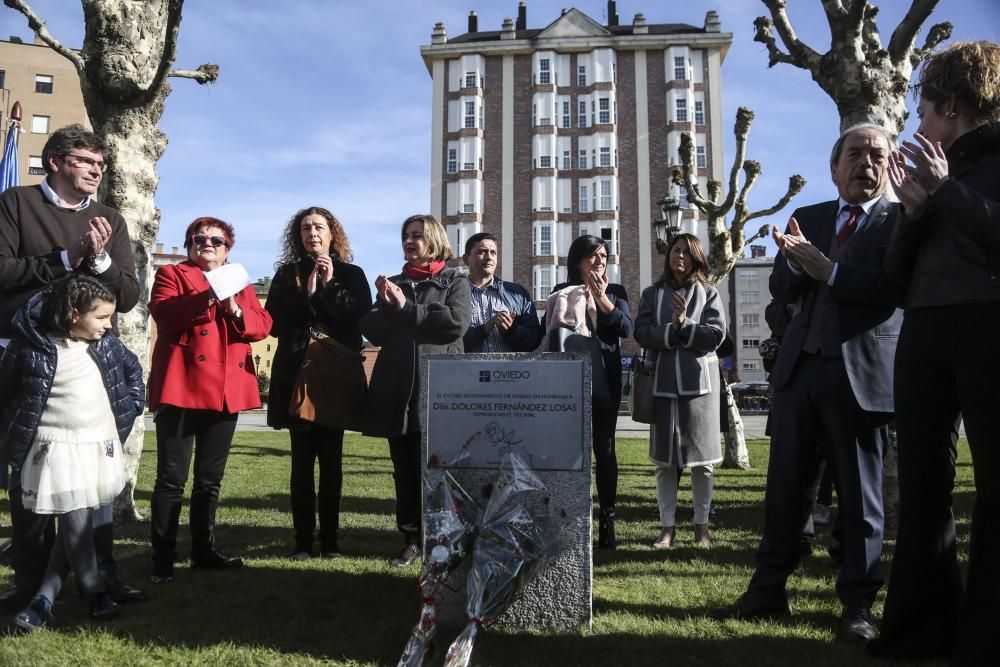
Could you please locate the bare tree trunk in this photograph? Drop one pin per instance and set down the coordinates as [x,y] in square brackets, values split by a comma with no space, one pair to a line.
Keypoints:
[735,453]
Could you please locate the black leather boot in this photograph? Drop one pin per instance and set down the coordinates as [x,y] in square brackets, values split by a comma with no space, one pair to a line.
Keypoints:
[606,538]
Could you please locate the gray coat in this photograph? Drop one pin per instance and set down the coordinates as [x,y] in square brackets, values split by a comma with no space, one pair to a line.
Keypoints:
[434,319]
[686,382]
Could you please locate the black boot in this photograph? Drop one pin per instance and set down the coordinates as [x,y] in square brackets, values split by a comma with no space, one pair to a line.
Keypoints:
[606,538]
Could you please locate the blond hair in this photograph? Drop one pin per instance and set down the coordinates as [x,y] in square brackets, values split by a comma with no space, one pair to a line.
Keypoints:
[968,70]
[434,234]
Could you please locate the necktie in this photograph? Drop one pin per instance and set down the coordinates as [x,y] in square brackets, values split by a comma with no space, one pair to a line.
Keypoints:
[847,231]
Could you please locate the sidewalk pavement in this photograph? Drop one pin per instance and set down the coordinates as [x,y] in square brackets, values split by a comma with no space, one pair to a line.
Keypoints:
[753,425]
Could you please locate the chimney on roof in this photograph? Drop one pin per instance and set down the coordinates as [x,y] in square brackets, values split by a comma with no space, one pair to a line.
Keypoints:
[639,26]
[522,16]
[14,39]
[612,13]
[473,21]
[439,35]
[159,249]
[507,31]
[758,251]
[712,22]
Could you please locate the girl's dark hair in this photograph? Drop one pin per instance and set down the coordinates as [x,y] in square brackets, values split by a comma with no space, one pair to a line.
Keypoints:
[292,249]
[77,292]
[582,248]
[699,272]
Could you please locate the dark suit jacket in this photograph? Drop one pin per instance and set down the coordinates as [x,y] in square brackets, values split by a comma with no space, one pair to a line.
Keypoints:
[867,302]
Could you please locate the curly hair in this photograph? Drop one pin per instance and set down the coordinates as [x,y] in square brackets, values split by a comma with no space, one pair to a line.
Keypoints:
[78,293]
[968,70]
[699,272]
[292,249]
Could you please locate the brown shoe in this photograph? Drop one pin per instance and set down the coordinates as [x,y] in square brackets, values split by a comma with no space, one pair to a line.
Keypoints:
[666,538]
[702,537]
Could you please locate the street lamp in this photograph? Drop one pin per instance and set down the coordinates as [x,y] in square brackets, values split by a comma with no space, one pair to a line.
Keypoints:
[669,222]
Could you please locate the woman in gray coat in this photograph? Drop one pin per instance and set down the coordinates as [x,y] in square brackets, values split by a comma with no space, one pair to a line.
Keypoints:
[423,310]
[681,324]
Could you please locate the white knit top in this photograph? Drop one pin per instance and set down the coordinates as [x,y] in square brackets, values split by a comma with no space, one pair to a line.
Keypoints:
[78,408]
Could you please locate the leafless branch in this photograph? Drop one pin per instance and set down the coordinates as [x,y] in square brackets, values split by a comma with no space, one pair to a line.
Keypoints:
[765,35]
[685,177]
[744,119]
[795,185]
[204,74]
[906,32]
[804,56]
[38,25]
[938,33]
[169,46]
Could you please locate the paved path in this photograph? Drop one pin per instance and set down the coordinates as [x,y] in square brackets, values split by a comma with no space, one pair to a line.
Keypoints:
[753,425]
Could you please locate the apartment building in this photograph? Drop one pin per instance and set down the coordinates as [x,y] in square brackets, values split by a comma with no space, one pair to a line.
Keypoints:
[541,135]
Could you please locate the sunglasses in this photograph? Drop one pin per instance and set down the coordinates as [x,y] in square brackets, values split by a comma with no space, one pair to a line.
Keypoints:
[201,240]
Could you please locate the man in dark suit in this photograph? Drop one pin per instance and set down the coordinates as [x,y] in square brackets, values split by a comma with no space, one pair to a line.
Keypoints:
[833,376]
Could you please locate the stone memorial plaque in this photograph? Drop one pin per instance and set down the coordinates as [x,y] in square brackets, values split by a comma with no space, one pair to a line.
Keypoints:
[538,406]
[479,409]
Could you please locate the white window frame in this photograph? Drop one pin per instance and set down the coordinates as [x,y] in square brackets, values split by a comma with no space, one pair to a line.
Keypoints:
[567,161]
[680,68]
[581,76]
[41,124]
[582,113]
[584,200]
[681,110]
[544,161]
[607,195]
[701,158]
[604,110]
[544,71]
[452,160]
[752,343]
[751,320]
[35,166]
[605,156]
[567,117]
[470,115]
[582,161]
[470,77]
[44,79]
[699,112]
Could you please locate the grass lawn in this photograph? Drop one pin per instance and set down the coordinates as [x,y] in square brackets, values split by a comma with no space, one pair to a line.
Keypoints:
[649,606]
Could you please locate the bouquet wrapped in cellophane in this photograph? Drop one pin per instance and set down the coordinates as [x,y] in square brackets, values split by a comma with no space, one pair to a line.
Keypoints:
[449,525]
[510,547]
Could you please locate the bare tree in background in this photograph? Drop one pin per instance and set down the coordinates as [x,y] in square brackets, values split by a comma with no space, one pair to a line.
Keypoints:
[128,50]
[867,82]
[726,243]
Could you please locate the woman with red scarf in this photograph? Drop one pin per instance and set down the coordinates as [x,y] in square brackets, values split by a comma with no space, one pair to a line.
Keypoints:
[423,310]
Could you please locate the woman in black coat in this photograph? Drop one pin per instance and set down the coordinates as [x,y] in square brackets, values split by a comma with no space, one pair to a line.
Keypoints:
[586,265]
[945,252]
[314,288]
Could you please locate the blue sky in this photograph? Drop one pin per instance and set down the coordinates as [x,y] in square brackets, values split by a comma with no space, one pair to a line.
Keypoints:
[327,102]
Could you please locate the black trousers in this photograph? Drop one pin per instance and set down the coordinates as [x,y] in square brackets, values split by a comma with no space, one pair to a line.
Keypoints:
[34,534]
[606,461]
[818,398]
[311,443]
[944,372]
[404,450]
[178,431]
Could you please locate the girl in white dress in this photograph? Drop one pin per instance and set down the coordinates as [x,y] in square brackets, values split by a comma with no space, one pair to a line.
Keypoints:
[71,390]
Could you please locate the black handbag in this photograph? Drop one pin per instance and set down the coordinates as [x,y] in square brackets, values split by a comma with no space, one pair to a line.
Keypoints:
[641,378]
[567,340]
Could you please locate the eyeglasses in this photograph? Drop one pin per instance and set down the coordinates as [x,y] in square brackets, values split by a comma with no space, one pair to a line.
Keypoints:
[201,240]
[89,162]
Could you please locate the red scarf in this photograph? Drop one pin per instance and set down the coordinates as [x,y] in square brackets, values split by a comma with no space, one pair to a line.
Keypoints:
[423,273]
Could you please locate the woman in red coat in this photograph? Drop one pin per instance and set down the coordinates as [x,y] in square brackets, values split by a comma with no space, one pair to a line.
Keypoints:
[201,376]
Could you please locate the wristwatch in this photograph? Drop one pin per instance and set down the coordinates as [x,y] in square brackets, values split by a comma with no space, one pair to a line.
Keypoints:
[95,261]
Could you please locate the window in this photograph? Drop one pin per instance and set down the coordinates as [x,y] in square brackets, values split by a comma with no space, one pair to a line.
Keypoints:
[35,167]
[43,83]
[545,162]
[468,208]
[452,160]
[40,124]
[751,343]
[470,114]
[567,161]
[751,366]
[680,68]
[749,298]
[605,156]
[566,117]
[682,111]
[604,109]
[468,166]
[581,75]
[544,73]
[543,240]
[470,79]
[699,112]
[268,347]
[700,160]
[606,195]
[543,282]
[582,164]
[268,363]
[751,320]
[582,121]
[584,231]
[584,201]
[3,79]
